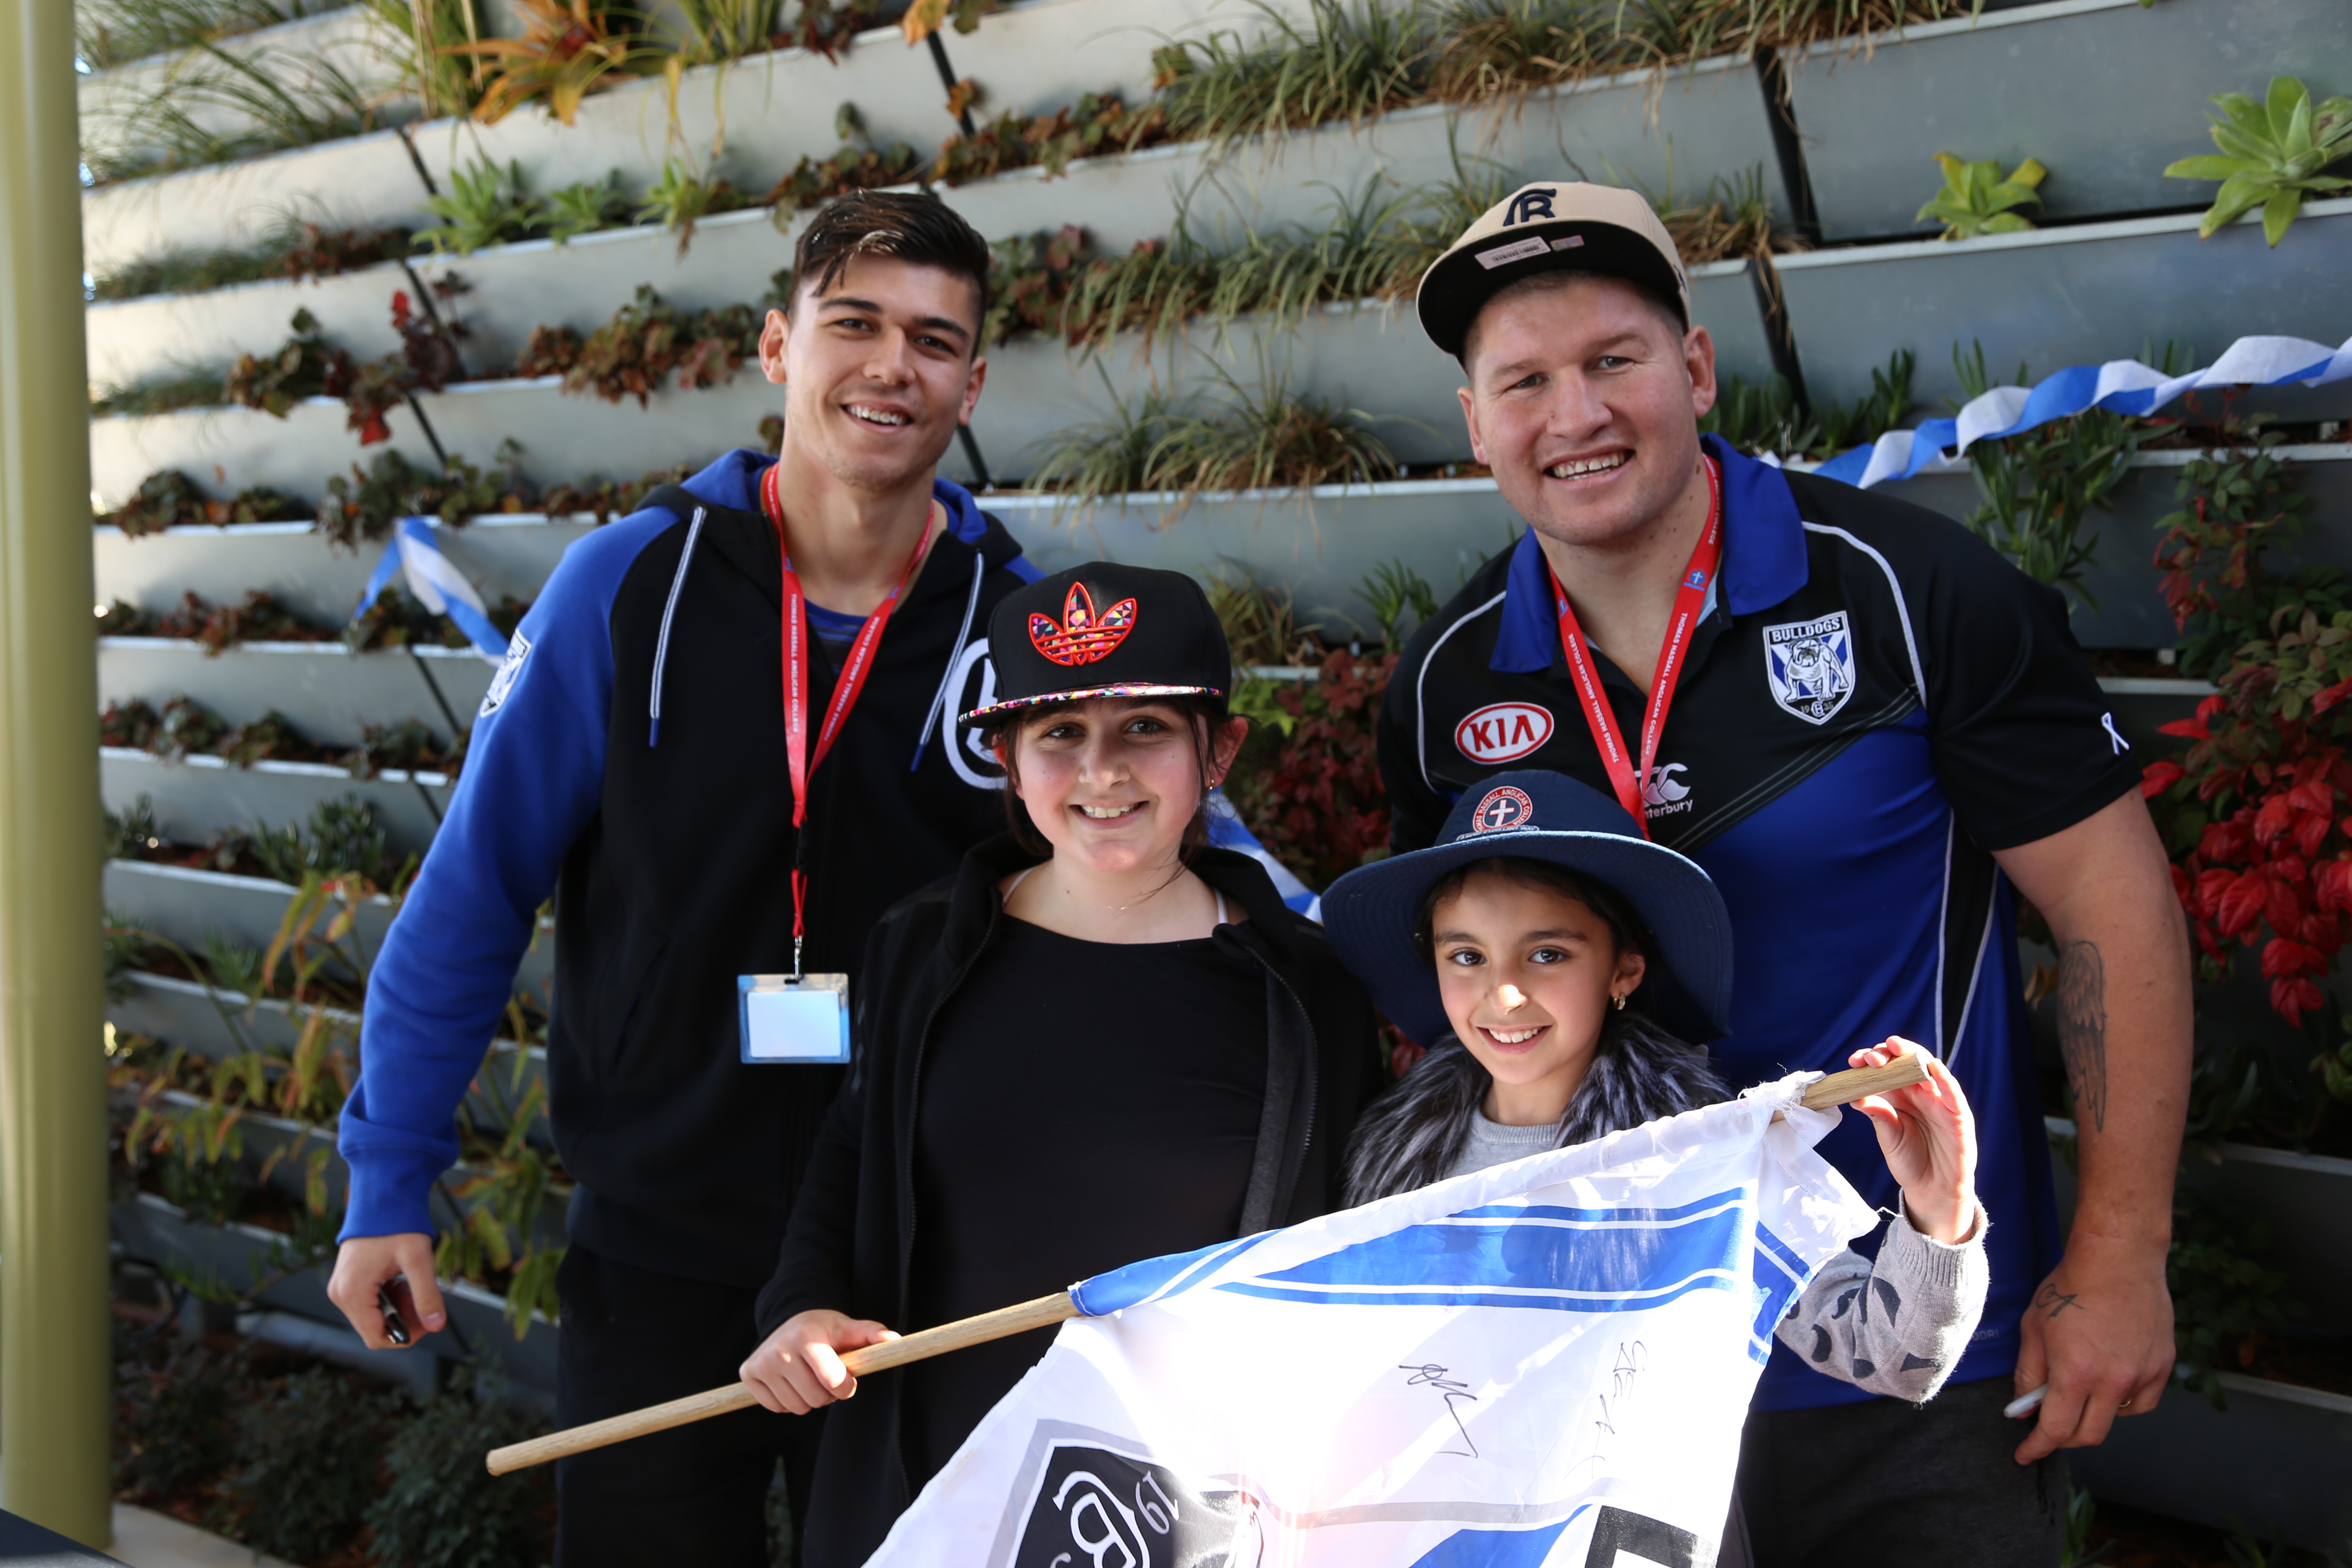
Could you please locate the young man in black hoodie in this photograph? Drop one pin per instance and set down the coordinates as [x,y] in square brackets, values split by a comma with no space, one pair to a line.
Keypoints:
[635,756]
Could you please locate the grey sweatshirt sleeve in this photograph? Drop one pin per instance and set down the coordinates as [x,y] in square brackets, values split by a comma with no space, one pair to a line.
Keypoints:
[1898,1327]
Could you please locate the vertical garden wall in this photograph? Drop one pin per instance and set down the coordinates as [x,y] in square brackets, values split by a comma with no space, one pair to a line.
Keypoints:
[341,274]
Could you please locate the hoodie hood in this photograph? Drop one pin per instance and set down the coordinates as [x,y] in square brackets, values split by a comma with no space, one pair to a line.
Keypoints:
[733,480]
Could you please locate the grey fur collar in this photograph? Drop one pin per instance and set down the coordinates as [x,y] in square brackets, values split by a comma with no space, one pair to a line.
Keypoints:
[1412,1135]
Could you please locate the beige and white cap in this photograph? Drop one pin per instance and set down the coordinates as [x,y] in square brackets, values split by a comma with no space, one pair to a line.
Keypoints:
[1553,226]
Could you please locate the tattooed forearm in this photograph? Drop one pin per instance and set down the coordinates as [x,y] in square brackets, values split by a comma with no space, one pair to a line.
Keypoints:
[2083,1030]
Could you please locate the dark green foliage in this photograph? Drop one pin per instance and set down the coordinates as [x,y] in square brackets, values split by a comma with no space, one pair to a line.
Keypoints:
[172,1421]
[646,343]
[814,181]
[1765,418]
[169,499]
[2221,1289]
[306,1462]
[188,387]
[295,250]
[443,1510]
[366,505]
[134,832]
[342,838]
[306,365]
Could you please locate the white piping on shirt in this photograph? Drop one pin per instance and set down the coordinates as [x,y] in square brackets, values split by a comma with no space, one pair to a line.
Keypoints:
[1976,971]
[1910,643]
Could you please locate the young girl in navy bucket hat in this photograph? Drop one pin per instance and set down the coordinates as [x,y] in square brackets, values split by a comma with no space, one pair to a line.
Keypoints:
[1568,972]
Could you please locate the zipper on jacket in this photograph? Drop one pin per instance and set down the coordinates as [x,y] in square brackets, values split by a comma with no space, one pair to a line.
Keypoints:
[661,644]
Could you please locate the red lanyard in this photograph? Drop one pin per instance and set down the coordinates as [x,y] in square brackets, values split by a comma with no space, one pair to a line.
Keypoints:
[1690,598]
[852,680]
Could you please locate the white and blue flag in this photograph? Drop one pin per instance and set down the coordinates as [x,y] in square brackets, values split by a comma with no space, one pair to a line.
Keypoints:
[437,583]
[1547,1362]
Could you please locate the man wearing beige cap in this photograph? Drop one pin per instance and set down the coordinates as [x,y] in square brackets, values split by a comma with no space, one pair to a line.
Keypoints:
[1873,733]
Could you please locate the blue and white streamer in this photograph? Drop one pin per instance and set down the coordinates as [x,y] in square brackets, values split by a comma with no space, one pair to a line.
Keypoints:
[437,583]
[2120,386]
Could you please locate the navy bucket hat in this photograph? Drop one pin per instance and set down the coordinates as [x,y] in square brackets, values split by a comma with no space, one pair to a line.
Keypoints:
[1531,814]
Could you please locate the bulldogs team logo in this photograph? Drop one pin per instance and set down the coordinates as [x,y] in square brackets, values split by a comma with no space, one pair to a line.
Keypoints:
[1503,731]
[1810,666]
[1503,809]
[1094,1507]
[1081,636]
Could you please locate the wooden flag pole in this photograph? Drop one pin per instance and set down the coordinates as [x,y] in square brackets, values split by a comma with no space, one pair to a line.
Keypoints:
[1838,1089]
[1043,1312]
[1861,1083]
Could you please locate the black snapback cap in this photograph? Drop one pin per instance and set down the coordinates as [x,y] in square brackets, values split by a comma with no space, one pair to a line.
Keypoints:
[1104,630]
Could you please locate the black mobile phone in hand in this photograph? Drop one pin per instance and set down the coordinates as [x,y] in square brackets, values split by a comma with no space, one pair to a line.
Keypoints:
[388,1301]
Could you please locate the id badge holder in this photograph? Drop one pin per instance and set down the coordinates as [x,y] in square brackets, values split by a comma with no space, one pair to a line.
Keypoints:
[793,1019]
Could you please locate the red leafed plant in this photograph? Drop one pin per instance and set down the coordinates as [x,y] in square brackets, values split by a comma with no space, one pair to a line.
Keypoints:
[1314,797]
[2256,812]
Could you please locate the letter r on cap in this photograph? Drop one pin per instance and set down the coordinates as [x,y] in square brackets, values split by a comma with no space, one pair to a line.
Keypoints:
[1529,206]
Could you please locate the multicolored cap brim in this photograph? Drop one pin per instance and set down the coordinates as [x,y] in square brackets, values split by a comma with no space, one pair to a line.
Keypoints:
[980,716]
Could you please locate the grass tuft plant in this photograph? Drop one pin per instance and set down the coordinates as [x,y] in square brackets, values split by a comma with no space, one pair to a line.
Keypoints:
[295,249]
[1254,439]
[1350,60]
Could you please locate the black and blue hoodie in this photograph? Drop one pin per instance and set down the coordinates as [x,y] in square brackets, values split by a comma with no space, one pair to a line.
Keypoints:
[630,758]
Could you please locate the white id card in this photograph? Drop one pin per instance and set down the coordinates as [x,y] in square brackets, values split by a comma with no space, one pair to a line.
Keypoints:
[787,1020]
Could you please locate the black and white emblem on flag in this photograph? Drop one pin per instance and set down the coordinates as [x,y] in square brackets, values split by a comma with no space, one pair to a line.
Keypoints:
[1093,1506]
[1810,666]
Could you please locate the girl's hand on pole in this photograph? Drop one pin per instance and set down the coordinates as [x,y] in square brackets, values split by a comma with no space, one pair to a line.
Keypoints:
[1929,1140]
[798,1368]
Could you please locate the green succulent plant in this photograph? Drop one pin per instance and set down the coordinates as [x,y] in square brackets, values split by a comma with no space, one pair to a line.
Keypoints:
[1976,200]
[485,205]
[2272,155]
[585,206]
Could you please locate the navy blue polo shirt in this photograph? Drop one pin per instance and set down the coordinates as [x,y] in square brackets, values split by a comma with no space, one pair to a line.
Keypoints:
[1874,702]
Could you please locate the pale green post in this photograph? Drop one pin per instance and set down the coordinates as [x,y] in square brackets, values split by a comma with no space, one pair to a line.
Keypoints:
[53,1268]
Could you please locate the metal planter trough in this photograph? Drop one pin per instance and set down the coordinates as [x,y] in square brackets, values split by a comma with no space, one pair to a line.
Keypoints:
[365,180]
[2085,295]
[503,554]
[2261,1465]
[2122,575]
[185,905]
[197,796]
[2104,92]
[1318,546]
[349,42]
[152,1230]
[1371,356]
[330,692]
[1713,114]
[180,1013]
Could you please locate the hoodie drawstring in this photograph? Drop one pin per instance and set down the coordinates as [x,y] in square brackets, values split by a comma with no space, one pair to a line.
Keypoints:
[955,656]
[669,613]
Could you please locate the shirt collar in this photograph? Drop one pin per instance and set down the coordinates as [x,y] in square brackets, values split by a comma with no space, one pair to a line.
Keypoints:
[1763,563]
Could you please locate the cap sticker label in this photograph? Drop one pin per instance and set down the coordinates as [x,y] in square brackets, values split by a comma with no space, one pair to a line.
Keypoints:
[1081,636]
[1567,242]
[1517,250]
[1503,808]
[1503,731]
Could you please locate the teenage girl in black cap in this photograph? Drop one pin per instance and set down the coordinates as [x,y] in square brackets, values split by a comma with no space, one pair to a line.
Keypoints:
[1101,1041]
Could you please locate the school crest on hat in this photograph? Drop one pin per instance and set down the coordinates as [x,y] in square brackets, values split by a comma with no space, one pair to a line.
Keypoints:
[1809,665]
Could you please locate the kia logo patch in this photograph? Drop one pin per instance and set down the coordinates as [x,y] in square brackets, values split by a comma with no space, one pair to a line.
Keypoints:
[1503,731]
